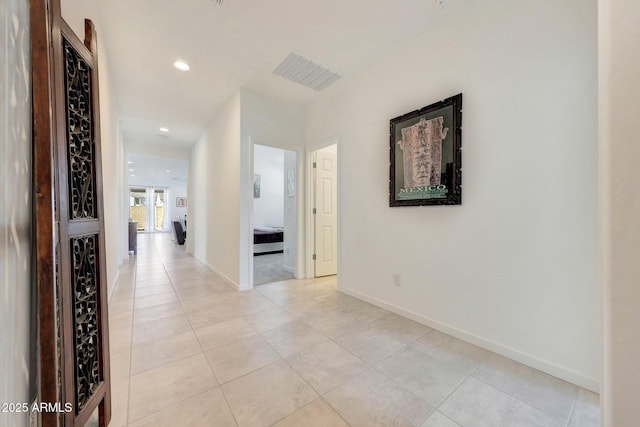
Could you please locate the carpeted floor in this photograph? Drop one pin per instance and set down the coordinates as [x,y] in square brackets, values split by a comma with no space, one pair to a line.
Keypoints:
[268,269]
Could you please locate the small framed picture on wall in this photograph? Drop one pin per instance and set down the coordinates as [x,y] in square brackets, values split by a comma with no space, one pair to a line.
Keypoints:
[291,183]
[181,202]
[256,186]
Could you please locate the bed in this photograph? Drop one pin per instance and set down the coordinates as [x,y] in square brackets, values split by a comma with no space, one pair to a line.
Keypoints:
[268,240]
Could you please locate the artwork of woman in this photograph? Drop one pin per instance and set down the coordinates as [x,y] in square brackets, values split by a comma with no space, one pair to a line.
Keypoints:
[421,146]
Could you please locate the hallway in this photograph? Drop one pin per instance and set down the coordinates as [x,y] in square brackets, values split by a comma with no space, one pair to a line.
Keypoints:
[189,350]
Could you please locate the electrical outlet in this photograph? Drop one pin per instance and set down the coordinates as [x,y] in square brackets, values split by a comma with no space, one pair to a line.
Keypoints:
[396,280]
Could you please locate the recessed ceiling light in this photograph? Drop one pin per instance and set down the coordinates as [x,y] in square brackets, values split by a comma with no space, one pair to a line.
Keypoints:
[168,171]
[130,170]
[182,66]
[130,163]
[132,175]
[164,130]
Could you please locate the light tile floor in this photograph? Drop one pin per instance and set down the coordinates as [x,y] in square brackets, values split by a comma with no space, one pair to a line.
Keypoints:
[189,350]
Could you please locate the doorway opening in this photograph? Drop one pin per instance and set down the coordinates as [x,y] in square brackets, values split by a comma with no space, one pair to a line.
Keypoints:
[275,214]
[138,207]
[148,209]
[159,210]
[325,211]
[157,192]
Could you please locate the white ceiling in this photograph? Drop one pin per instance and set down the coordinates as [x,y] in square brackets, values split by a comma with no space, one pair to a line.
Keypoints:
[152,171]
[238,44]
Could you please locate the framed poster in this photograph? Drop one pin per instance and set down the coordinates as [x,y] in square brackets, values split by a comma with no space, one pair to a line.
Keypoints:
[426,158]
[291,183]
[181,202]
[256,186]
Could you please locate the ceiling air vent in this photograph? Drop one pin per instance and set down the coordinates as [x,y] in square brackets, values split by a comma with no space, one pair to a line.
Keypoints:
[305,72]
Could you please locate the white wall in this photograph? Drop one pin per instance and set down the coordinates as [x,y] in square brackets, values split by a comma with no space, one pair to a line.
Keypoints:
[268,209]
[619,67]
[197,200]
[514,268]
[115,221]
[271,122]
[17,370]
[214,195]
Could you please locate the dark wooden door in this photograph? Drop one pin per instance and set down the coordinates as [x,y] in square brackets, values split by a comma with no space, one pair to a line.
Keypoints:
[70,265]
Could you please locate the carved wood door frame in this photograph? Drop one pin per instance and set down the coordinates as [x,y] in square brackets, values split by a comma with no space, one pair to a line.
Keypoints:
[73,341]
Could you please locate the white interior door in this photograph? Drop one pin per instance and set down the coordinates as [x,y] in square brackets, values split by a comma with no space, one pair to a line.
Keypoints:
[326,213]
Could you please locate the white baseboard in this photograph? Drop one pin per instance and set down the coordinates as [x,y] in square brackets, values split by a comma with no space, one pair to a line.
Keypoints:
[224,277]
[527,359]
[289,269]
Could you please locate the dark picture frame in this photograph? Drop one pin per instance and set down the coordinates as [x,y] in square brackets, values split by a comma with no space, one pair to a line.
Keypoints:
[426,155]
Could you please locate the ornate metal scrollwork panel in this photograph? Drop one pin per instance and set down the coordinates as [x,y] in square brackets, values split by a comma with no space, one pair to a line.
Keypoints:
[85,284]
[80,145]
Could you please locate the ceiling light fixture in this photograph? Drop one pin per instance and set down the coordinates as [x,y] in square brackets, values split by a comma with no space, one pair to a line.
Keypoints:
[130,170]
[181,65]
[165,130]
[130,163]
[168,171]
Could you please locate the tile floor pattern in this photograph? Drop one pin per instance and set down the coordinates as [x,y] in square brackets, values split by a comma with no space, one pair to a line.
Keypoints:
[189,350]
